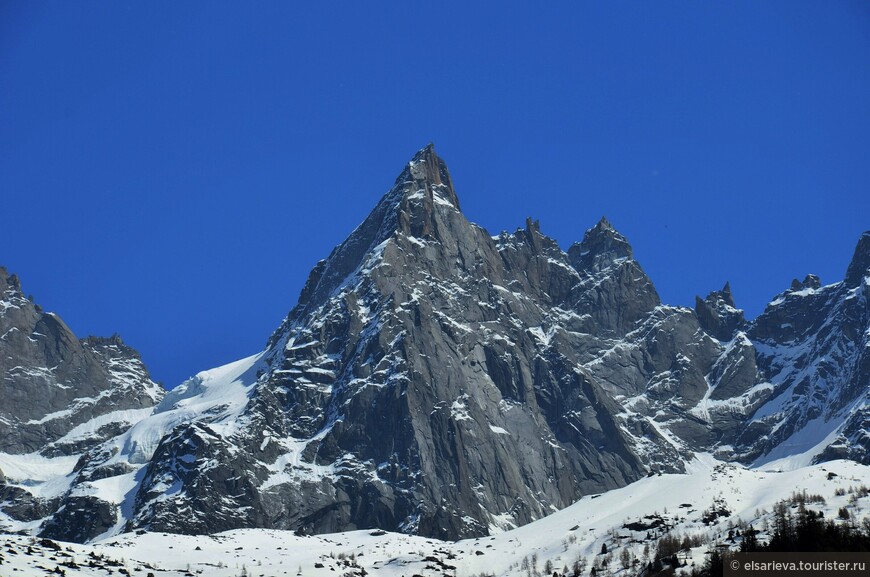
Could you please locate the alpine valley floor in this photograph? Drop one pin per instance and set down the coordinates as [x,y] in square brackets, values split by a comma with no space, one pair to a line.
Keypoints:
[703,504]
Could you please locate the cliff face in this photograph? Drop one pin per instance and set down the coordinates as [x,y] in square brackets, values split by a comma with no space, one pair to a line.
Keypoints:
[59,397]
[53,382]
[437,380]
[414,387]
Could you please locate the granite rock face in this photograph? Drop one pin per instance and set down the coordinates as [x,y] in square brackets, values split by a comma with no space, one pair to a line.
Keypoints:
[60,397]
[417,377]
[53,382]
[718,314]
[813,350]
[438,380]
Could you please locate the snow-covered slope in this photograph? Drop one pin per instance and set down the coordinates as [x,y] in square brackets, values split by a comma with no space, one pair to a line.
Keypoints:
[813,346]
[98,497]
[704,505]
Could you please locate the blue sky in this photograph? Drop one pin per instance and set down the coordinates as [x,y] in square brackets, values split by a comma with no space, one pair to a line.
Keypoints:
[172,171]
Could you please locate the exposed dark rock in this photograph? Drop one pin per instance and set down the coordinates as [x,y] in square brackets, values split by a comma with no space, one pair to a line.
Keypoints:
[718,315]
[602,248]
[80,519]
[52,382]
[859,267]
[21,505]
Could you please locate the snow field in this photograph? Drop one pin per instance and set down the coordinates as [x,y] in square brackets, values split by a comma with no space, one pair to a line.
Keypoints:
[616,519]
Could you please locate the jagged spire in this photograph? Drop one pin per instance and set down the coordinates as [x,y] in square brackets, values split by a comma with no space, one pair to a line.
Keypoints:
[726,294]
[8,280]
[430,172]
[602,245]
[718,314]
[423,184]
[860,265]
[604,225]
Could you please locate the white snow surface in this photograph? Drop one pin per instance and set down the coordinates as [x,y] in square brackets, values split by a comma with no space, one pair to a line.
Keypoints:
[32,469]
[578,530]
[220,394]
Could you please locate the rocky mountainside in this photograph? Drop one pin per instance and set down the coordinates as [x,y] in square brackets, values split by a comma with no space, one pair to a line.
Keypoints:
[59,397]
[437,380]
[53,382]
[711,507]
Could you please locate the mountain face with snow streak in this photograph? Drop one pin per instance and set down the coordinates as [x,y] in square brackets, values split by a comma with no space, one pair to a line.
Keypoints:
[59,397]
[437,380]
[812,345]
[53,382]
[406,390]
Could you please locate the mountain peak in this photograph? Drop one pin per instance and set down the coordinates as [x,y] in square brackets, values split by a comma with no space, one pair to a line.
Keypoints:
[810,281]
[425,153]
[604,225]
[604,231]
[718,314]
[115,341]
[602,246]
[409,206]
[429,171]
[8,280]
[723,296]
[860,265]
[424,355]
[726,295]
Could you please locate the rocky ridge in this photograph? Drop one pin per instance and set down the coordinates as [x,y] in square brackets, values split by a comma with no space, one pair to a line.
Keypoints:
[61,396]
[53,382]
[437,380]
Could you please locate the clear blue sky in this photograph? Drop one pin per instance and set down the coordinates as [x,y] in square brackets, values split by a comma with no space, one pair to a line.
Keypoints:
[172,171]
